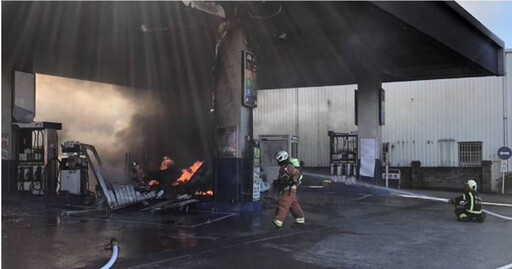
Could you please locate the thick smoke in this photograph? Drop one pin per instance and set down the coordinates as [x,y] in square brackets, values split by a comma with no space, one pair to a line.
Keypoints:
[147,123]
[112,118]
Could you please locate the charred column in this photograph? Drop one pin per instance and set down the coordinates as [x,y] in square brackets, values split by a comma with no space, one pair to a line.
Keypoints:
[233,134]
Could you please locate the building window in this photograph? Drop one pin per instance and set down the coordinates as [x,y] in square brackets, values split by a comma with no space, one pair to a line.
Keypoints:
[470,153]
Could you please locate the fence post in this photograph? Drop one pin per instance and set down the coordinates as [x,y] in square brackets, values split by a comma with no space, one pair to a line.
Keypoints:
[416,175]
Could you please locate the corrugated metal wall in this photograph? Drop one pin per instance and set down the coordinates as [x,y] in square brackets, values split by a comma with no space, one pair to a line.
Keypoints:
[508,83]
[308,112]
[425,120]
[276,112]
[320,110]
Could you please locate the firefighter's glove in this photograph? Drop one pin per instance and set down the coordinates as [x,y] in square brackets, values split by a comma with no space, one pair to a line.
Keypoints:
[452,201]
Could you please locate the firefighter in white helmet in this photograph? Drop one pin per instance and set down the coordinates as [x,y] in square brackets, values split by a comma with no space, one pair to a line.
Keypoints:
[287,181]
[468,206]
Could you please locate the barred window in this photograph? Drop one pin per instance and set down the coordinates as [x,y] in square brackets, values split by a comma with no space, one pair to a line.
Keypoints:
[470,153]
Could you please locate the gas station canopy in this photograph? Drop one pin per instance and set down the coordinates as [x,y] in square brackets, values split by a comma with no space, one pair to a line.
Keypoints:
[330,43]
[155,44]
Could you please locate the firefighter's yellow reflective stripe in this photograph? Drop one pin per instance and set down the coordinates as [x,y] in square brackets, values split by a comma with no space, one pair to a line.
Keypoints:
[278,223]
[289,189]
[474,212]
[464,196]
[472,201]
[292,187]
[300,220]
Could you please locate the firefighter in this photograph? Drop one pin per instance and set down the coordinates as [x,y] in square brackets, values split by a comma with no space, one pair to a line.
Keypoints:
[287,182]
[468,206]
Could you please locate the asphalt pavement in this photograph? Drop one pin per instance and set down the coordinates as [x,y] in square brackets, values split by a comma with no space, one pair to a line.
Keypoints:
[346,228]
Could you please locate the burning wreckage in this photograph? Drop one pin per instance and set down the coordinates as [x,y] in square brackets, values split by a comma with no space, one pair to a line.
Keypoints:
[157,190]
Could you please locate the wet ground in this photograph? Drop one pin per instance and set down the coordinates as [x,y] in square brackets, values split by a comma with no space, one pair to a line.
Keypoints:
[345,229]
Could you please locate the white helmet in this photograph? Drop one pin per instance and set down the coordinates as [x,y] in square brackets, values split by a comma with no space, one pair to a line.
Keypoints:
[281,156]
[471,184]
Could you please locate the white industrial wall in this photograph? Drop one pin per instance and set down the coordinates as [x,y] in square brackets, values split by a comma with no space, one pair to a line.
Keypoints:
[424,119]
[508,107]
[308,112]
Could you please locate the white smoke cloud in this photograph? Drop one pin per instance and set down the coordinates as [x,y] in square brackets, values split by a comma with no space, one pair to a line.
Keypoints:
[93,113]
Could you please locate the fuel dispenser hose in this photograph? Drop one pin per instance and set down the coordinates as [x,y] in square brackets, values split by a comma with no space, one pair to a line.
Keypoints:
[45,176]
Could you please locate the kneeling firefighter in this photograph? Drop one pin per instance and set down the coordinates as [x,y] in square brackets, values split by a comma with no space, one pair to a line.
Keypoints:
[468,206]
[287,181]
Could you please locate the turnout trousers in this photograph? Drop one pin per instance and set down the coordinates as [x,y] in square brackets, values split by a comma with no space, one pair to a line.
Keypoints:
[288,202]
[463,215]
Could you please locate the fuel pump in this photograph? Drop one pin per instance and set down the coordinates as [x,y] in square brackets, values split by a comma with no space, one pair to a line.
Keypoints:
[36,152]
[74,170]
[343,156]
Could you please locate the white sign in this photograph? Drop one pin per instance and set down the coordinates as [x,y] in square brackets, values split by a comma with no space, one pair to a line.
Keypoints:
[256,184]
[368,156]
[504,166]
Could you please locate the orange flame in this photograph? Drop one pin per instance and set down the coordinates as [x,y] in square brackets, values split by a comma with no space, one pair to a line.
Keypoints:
[188,173]
[204,193]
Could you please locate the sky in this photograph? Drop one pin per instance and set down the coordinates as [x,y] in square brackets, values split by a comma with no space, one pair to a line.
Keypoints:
[495,15]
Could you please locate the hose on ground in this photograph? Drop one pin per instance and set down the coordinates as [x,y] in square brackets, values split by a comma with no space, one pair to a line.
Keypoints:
[114,245]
